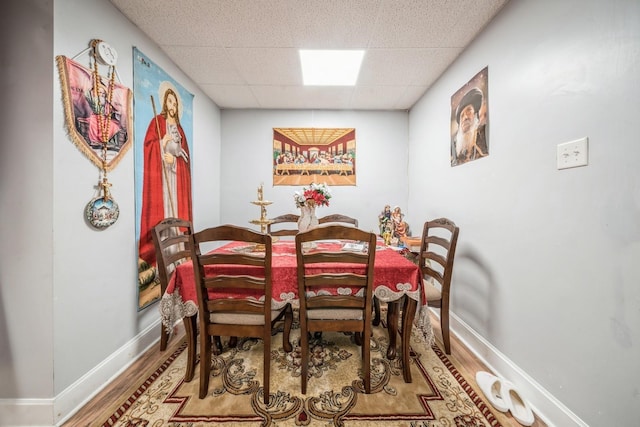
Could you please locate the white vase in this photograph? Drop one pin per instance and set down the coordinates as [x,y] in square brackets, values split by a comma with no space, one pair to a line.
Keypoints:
[308,219]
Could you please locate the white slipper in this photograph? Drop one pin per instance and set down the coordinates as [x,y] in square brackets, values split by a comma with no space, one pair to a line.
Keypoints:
[519,407]
[492,387]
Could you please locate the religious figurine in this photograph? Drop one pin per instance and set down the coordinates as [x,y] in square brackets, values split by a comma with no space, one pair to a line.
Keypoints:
[400,227]
[384,218]
[387,233]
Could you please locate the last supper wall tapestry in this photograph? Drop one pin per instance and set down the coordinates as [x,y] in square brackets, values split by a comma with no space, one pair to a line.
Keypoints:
[305,155]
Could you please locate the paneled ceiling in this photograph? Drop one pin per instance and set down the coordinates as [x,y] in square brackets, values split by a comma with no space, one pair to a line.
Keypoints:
[244,53]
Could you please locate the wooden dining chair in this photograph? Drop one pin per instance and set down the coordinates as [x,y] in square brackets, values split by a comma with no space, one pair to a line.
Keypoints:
[283,221]
[338,219]
[243,273]
[171,239]
[323,270]
[437,252]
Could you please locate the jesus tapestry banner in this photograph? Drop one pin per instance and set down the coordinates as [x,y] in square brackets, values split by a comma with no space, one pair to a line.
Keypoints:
[163,136]
[84,100]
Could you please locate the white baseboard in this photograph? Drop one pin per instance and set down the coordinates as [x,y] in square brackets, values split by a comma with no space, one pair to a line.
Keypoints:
[79,393]
[544,404]
[53,412]
[26,412]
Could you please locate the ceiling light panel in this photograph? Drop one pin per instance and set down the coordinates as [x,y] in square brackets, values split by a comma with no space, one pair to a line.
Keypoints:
[330,67]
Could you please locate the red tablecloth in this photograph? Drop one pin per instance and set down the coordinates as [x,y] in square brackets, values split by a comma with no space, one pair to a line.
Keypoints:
[395,277]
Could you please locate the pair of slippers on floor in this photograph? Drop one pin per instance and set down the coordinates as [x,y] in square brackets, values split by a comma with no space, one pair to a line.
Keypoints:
[504,397]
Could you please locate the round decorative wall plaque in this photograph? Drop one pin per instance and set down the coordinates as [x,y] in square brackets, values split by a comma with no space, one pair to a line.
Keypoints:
[102,212]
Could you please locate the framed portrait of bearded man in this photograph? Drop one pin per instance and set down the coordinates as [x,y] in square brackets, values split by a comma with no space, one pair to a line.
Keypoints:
[470,120]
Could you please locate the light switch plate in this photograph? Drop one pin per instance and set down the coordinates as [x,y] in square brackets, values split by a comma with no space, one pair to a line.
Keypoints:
[573,153]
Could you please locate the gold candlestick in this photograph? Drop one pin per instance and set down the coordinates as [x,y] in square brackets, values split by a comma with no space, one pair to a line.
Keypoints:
[263,221]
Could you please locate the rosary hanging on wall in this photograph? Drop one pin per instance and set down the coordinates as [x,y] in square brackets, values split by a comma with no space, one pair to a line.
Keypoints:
[102,211]
[98,118]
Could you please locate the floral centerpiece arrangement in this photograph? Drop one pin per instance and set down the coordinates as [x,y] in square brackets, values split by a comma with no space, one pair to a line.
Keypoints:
[313,195]
[307,200]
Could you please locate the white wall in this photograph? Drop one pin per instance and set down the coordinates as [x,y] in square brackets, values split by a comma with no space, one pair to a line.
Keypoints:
[247,153]
[95,272]
[547,266]
[26,202]
[68,300]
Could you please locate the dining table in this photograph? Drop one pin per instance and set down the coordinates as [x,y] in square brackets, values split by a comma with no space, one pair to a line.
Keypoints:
[395,279]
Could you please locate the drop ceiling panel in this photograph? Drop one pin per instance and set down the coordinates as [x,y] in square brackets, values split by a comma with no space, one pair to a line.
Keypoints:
[301,97]
[243,53]
[401,67]
[376,97]
[174,23]
[239,96]
[206,65]
[267,66]
[248,23]
[331,25]
[432,23]
[409,97]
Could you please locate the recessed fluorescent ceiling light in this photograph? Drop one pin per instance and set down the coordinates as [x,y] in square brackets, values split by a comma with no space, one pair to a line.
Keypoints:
[330,67]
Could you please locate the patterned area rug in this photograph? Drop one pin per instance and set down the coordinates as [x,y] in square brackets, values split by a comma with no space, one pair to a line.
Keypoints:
[438,396]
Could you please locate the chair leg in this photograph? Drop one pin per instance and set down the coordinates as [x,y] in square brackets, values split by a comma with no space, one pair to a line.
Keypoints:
[408,314]
[376,311]
[287,314]
[304,356]
[218,343]
[444,326]
[288,322]
[266,363]
[233,342]
[366,358]
[392,327]
[205,362]
[280,315]
[164,337]
[191,331]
